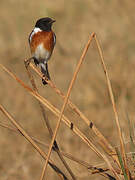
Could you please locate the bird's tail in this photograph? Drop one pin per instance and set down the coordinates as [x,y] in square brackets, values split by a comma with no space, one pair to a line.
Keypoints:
[44,70]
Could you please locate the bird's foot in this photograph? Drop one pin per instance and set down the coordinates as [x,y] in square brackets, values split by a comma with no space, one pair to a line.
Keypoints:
[27,62]
[43,80]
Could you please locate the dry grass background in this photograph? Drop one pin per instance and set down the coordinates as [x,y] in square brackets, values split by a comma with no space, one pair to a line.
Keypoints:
[113,22]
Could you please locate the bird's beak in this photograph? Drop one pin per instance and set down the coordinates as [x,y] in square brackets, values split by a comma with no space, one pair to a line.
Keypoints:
[53,21]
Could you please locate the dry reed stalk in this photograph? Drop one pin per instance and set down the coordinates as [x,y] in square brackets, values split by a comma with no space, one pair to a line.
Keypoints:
[26,62]
[114,106]
[57,113]
[25,134]
[93,169]
[65,102]
[53,109]
[101,139]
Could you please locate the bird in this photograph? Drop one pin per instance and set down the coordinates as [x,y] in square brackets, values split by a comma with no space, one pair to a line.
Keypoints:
[42,41]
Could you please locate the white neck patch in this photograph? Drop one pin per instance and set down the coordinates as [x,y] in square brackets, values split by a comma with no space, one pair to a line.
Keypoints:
[35,30]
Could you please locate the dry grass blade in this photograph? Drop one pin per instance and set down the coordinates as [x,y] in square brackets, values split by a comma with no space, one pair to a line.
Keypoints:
[57,113]
[111,167]
[25,134]
[101,139]
[122,165]
[93,169]
[51,108]
[26,62]
[65,102]
[114,106]
[18,132]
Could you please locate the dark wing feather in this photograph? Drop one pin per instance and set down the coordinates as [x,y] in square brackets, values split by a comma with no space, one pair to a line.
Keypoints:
[30,36]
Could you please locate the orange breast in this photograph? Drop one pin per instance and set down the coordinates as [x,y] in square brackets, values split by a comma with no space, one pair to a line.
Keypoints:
[42,37]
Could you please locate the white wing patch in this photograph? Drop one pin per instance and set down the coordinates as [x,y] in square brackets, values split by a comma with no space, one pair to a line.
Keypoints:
[35,30]
[54,39]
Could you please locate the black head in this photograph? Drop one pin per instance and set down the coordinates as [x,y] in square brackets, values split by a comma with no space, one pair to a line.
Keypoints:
[45,24]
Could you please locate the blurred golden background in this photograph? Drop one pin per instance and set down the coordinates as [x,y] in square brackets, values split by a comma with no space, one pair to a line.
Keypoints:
[113,22]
